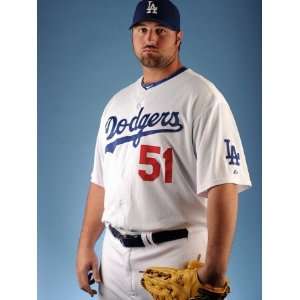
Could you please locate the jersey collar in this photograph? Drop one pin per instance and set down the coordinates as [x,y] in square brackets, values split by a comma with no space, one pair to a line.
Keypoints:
[148,86]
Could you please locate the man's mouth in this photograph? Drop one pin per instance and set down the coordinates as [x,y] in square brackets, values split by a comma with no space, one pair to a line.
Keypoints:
[149,50]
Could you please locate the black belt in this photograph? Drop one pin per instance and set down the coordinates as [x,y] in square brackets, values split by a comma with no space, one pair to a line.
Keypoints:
[135,240]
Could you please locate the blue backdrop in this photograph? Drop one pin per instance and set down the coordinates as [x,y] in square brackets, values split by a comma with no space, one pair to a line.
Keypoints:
[84,57]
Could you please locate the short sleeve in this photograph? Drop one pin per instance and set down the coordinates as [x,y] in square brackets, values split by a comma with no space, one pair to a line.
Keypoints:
[218,148]
[97,169]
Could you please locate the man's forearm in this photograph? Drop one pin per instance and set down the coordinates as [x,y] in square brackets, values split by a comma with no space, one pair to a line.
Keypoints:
[92,226]
[221,219]
[90,234]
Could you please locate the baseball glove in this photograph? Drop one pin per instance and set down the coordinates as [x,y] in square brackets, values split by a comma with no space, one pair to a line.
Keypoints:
[165,283]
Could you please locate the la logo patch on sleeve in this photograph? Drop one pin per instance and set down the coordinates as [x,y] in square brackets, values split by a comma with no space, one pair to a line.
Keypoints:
[232,155]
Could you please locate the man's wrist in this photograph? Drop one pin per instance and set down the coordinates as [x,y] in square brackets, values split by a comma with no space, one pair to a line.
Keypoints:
[215,268]
[86,244]
[211,276]
[216,264]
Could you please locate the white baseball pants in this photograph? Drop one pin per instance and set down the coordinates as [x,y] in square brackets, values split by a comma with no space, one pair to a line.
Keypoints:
[121,266]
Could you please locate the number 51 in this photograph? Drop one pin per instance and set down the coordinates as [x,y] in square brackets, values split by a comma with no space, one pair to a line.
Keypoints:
[146,160]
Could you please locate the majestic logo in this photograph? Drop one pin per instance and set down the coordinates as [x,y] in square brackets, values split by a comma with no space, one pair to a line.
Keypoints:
[232,155]
[169,122]
[152,9]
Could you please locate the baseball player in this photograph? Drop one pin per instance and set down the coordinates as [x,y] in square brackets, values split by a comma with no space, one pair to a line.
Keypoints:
[168,167]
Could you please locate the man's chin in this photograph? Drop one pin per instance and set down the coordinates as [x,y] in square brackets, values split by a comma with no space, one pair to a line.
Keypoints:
[150,55]
[150,63]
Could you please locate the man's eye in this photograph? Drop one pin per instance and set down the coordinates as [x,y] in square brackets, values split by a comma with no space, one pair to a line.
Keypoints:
[142,29]
[160,30]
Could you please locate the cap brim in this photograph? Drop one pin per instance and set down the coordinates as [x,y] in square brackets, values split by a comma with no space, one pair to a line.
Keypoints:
[154,20]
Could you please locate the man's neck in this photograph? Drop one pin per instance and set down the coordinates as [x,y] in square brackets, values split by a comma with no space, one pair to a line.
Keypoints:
[156,74]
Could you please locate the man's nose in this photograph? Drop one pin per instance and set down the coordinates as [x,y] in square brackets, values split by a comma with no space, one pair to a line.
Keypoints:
[151,37]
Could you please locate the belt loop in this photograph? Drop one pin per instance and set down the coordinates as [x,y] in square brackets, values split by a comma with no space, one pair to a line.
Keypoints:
[149,238]
[145,239]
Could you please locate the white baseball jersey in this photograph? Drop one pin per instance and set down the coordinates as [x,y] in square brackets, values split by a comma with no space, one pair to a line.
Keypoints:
[160,149]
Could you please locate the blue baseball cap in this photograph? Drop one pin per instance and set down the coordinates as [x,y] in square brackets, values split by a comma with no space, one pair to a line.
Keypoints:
[163,12]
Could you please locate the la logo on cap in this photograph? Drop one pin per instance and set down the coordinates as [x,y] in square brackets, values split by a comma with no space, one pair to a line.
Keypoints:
[152,9]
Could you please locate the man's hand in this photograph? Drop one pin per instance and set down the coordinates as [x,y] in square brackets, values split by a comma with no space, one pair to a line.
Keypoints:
[87,260]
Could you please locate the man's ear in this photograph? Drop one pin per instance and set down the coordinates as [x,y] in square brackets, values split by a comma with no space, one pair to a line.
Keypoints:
[179,37]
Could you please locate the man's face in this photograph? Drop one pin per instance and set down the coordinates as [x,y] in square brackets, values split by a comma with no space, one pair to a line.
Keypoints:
[154,45]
